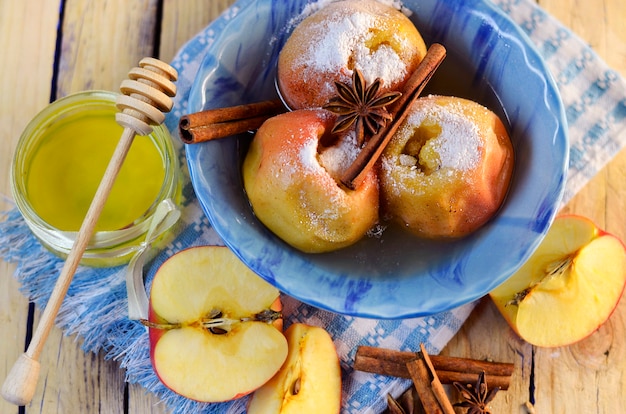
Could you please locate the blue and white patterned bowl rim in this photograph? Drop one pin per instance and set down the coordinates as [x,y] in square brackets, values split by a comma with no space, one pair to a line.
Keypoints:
[388,277]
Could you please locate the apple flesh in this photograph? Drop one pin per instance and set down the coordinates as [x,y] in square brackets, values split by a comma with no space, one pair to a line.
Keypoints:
[568,288]
[309,380]
[215,328]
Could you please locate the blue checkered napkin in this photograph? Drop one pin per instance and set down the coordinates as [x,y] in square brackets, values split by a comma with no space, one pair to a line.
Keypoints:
[96,306]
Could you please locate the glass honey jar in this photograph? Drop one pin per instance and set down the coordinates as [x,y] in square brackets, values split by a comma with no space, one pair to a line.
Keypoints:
[59,162]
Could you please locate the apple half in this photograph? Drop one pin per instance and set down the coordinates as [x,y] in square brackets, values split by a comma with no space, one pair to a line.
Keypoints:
[215,327]
[568,288]
[309,380]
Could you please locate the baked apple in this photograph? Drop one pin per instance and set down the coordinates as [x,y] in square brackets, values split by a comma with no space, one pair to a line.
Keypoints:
[447,170]
[292,183]
[342,36]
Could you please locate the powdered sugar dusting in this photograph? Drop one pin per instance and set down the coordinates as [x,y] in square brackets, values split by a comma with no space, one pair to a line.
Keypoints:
[308,155]
[458,145]
[337,158]
[451,147]
[313,7]
[323,202]
[287,167]
[345,38]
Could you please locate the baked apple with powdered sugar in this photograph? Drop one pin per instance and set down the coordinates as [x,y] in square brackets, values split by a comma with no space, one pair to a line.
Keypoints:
[447,170]
[328,45]
[291,180]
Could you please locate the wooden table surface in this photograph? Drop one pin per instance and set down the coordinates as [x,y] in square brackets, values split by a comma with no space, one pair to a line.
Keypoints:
[51,49]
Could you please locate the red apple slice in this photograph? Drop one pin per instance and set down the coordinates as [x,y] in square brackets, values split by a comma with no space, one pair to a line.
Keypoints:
[569,286]
[309,380]
[213,333]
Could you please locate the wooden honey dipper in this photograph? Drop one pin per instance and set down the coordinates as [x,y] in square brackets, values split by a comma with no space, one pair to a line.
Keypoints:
[145,96]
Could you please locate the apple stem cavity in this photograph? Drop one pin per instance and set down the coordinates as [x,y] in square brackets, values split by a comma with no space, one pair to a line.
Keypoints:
[554,269]
[166,326]
[559,267]
[220,325]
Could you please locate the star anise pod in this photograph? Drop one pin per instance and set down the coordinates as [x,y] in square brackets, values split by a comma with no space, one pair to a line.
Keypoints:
[477,397]
[361,105]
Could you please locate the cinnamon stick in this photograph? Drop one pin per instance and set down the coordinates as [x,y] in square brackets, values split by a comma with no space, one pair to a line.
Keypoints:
[370,153]
[421,380]
[435,383]
[449,369]
[223,122]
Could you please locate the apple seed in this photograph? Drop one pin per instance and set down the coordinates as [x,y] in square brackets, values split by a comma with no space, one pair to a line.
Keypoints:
[268,316]
[295,387]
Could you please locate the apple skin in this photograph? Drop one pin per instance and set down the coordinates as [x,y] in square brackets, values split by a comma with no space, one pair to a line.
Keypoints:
[588,274]
[189,358]
[297,197]
[308,382]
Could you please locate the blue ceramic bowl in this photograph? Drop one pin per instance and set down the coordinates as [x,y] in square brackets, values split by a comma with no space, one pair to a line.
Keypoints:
[489,60]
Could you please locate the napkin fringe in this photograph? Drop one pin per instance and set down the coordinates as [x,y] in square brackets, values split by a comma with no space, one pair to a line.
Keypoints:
[34,263]
[37,272]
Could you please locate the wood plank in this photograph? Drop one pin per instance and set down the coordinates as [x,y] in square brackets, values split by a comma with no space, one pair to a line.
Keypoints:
[21,98]
[596,362]
[13,318]
[560,375]
[183,19]
[101,42]
[73,381]
[140,401]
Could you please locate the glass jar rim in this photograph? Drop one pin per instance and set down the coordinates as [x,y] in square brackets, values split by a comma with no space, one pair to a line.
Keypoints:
[111,243]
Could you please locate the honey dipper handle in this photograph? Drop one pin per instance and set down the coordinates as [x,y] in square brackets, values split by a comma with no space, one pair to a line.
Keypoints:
[21,382]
